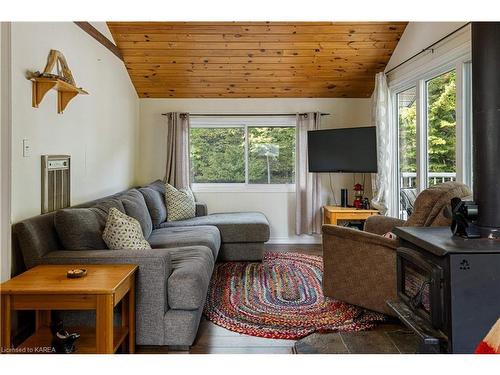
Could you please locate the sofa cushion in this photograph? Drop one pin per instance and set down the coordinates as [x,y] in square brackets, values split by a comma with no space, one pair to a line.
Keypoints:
[123,232]
[180,203]
[81,228]
[205,235]
[157,185]
[103,206]
[233,226]
[135,206]
[187,285]
[241,252]
[155,201]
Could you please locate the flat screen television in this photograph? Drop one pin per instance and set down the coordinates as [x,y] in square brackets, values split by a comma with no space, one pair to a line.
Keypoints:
[350,150]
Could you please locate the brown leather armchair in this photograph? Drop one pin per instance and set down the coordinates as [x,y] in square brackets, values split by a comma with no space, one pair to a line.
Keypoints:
[360,266]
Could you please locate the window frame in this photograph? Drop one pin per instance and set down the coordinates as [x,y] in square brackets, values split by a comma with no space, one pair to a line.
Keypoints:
[244,122]
[453,55]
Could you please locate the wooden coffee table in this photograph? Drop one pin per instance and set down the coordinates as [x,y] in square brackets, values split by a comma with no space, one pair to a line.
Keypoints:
[334,214]
[45,288]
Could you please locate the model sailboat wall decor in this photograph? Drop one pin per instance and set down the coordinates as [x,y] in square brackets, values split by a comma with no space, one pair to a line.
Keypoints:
[63,82]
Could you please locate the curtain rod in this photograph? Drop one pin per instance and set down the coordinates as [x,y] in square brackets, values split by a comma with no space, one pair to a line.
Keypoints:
[244,114]
[428,48]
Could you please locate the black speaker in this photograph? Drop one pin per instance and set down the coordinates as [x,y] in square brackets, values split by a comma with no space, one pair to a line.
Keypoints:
[344,197]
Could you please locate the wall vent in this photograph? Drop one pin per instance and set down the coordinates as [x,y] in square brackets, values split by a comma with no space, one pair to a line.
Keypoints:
[56,182]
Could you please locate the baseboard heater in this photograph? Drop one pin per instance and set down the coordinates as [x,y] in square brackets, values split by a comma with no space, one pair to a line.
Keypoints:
[56,182]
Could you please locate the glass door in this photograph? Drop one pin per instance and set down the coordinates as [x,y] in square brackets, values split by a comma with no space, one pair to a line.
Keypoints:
[441,94]
[407,150]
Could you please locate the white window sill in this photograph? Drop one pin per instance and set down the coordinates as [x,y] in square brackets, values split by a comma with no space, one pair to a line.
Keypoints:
[243,188]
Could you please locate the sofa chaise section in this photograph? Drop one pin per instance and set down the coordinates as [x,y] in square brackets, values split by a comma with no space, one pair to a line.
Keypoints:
[243,234]
[203,235]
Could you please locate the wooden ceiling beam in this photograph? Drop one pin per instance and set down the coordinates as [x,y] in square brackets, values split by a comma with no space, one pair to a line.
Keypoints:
[101,38]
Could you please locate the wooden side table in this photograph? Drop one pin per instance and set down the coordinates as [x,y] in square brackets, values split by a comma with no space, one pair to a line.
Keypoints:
[45,288]
[333,214]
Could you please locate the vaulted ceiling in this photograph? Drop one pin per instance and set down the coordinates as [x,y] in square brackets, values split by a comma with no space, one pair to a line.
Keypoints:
[255,59]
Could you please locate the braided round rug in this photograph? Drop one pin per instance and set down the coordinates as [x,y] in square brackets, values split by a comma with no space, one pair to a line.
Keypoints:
[280,298]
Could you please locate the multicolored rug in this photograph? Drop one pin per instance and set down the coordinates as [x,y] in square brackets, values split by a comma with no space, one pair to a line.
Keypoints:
[280,298]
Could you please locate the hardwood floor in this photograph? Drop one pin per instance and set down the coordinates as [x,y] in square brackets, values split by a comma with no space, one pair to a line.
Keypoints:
[387,338]
[212,339]
[313,249]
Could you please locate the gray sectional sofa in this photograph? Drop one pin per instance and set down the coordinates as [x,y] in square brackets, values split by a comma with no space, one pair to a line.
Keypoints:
[173,276]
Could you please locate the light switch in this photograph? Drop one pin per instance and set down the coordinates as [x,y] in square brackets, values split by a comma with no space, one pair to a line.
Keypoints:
[26,148]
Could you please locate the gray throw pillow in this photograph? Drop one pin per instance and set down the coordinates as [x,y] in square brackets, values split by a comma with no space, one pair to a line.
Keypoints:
[135,206]
[155,202]
[81,228]
[157,185]
[103,206]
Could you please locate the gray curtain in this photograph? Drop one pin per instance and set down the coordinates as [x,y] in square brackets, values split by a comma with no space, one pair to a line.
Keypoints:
[307,185]
[177,168]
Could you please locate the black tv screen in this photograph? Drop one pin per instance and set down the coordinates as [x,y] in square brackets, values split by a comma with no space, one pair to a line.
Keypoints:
[351,150]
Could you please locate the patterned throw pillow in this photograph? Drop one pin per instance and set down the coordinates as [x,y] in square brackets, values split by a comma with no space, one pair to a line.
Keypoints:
[123,232]
[180,203]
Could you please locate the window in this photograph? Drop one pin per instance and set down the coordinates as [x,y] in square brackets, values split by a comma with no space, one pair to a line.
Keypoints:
[432,122]
[271,156]
[238,153]
[432,147]
[441,128]
[217,155]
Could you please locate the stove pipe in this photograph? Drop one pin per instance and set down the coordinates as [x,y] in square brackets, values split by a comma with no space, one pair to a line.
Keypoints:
[486,123]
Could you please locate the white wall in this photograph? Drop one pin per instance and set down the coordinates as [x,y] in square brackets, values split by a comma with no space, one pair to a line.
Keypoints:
[279,207]
[417,36]
[5,137]
[98,130]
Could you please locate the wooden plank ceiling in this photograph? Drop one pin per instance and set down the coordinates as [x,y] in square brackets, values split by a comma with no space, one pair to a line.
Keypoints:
[255,59]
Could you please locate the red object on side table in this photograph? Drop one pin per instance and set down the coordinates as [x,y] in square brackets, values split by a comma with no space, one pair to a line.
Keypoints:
[358,196]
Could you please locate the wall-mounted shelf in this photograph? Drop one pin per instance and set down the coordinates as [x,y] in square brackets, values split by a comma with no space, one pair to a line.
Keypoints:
[65,91]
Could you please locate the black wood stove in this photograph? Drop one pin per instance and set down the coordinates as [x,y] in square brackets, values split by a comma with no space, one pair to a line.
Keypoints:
[449,288]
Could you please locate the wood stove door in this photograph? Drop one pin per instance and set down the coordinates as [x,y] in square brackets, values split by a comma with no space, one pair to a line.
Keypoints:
[420,285]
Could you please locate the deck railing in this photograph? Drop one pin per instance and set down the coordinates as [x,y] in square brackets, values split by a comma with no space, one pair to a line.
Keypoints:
[409,179]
